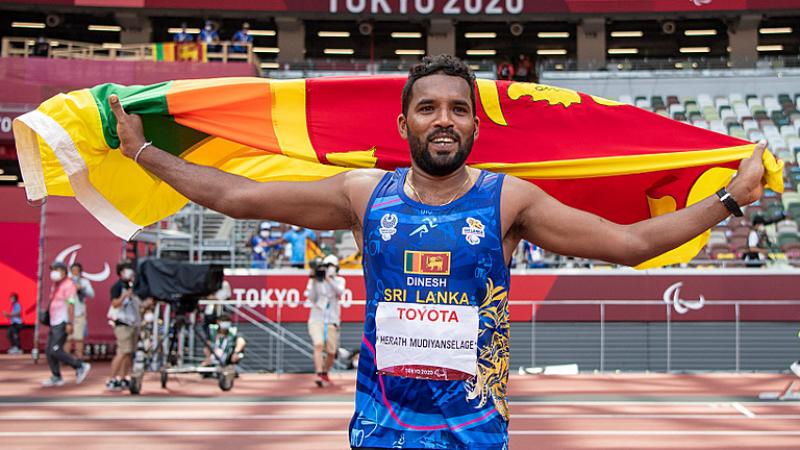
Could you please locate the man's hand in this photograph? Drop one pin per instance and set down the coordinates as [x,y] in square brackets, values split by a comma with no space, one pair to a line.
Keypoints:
[129,128]
[748,186]
[68,329]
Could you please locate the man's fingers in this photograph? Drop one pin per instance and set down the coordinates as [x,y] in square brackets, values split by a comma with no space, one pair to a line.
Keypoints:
[116,107]
[758,151]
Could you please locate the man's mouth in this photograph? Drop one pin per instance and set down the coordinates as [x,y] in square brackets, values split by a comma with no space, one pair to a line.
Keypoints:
[443,143]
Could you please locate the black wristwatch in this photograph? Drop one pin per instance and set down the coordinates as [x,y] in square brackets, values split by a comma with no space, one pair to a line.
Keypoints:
[730,204]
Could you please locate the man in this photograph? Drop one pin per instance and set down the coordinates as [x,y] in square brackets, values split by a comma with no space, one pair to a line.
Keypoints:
[241,39]
[183,36]
[323,291]
[15,324]
[296,237]
[434,354]
[125,314]
[209,36]
[85,292]
[263,246]
[224,345]
[61,312]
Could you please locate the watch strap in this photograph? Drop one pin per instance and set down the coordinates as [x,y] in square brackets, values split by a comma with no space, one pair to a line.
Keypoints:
[727,199]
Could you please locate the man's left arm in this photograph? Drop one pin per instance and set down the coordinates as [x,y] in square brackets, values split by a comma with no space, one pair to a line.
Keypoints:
[88,289]
[70,314]
[543,220]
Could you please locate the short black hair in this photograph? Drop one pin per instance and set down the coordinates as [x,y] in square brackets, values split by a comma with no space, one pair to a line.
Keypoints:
[15,296]
[76,264]
[224,317]
[124,264]
[446,64]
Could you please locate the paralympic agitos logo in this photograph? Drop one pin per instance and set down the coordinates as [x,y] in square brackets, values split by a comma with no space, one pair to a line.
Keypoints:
[672,295]
[70,254]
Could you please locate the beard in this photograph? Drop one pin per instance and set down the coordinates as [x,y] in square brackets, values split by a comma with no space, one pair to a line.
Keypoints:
[431,163]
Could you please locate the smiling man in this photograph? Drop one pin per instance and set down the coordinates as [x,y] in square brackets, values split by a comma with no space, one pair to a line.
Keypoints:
[437,239]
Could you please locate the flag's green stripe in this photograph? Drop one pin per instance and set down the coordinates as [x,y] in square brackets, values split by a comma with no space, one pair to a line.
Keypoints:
[159,52]
[136,99]
[169,135]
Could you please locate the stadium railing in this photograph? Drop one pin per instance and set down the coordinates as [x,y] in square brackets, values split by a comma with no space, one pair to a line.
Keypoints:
[672,64]
[599,336]
[13,46]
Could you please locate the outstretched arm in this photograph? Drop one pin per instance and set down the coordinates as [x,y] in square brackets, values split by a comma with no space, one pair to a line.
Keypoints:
[541,219]
[332,203]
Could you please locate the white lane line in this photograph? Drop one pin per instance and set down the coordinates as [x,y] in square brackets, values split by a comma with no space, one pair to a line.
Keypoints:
[652,416]
[741,408]
[144,433]
[652,433]
[651,402]
[67,418]
[150,417]
[150,404]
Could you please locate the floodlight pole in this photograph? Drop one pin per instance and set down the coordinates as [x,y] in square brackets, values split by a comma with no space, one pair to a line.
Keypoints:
[40,275]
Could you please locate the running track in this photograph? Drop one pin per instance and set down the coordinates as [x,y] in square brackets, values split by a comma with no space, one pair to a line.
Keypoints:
[269,412]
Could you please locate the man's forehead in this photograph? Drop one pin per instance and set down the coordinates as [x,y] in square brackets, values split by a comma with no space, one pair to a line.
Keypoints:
[441,85]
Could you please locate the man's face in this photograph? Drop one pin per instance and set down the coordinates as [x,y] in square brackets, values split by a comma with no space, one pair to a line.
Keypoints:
[75,271]
[440,125]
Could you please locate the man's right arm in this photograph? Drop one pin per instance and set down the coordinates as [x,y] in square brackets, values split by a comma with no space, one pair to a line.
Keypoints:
[118,295]
[331,203]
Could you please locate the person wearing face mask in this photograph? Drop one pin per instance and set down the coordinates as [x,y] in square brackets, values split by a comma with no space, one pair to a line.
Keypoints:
[296,237]
[225,343]
[85,292]
[60,314]
[262,245]
[325,288]
[209,36]
[125,313]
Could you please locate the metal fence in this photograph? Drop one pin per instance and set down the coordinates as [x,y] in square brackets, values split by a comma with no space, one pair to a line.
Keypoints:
[698,336]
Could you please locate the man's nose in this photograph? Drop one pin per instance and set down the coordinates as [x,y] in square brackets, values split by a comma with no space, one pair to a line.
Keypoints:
[443,119]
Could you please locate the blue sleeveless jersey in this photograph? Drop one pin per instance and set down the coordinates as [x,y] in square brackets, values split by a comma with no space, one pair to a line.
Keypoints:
[422,254]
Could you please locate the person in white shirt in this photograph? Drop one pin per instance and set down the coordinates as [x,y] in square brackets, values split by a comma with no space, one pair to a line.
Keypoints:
[325,288]
[79,326]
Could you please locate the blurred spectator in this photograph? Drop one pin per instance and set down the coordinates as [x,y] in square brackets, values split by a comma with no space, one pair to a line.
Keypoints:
[224,345]
[241,39]
[42,47]
[79,326]
[296,238]
[15,319]
[758,234]
[757,244]
[125,314]
[182,36]
[533,256]
[505,71]
[524,69]
[323,291]
[262,245]
[795,366]
[209,36]
[212,311]
[59,315]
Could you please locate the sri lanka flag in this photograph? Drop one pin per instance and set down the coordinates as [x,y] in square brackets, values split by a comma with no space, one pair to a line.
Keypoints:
[611,159]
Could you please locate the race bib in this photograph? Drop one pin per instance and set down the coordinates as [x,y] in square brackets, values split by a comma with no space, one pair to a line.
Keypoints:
[432,342]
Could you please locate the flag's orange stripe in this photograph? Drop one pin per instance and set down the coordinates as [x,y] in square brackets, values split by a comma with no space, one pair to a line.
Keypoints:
[237,109]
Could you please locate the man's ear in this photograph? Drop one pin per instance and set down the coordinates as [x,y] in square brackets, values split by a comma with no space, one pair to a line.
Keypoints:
[477,127]
[402,126]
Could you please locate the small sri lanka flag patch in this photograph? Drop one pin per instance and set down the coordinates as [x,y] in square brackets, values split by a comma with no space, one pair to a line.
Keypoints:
[427,263]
